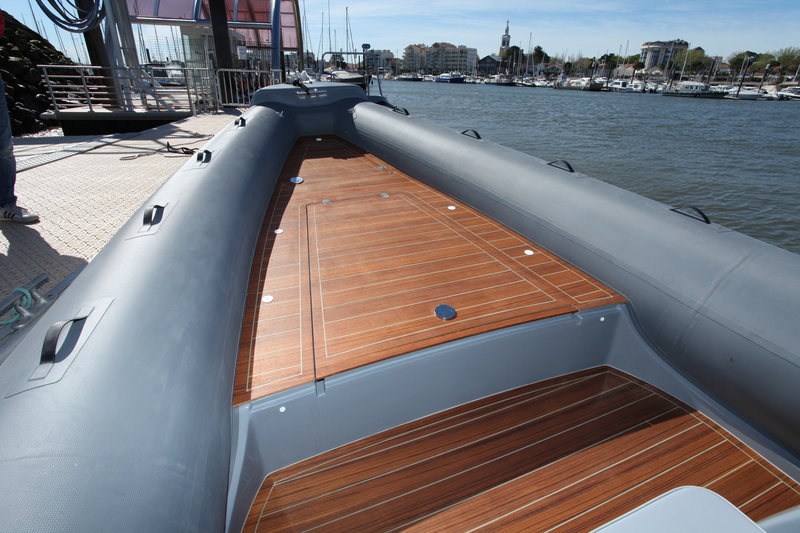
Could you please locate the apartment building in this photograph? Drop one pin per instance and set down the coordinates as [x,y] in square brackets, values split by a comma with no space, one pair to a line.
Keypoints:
[656,53]
[440,57]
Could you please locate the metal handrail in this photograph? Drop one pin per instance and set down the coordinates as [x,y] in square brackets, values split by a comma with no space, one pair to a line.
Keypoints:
[237,86]
[122,89]
[196,89]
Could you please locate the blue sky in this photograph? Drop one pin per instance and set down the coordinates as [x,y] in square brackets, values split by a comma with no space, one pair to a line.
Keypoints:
[589,27]
[586,27]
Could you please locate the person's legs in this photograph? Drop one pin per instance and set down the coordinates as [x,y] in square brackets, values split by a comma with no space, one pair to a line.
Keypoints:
[9,210]
[8,165]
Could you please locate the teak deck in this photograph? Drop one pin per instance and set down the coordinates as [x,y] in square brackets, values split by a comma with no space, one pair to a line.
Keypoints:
[568,454]
[352,262]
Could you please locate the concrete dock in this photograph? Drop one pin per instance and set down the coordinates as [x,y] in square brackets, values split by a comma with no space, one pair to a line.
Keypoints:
[84,189]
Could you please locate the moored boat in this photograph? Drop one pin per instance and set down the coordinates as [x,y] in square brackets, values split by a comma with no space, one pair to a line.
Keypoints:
[409,76]
[582,84]
[692,89]
[789,93]
[340,316]
[500,79]
[745,93]
[620,86]
[347,76]
[450,77]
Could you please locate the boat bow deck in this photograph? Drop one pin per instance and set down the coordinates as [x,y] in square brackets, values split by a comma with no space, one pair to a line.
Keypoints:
[355,256]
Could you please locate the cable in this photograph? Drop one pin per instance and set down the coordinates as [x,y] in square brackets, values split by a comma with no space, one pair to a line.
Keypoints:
[57,11]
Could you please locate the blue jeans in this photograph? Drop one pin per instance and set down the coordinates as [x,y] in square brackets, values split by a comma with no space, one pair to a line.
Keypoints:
[8,165]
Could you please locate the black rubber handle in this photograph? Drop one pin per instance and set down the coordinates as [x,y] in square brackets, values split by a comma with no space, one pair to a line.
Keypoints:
[703,216]
[566,164]
[51,339]
[149,214]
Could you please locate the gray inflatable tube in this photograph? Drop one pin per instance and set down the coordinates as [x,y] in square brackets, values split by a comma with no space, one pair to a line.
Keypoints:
[129,429]
[722,306]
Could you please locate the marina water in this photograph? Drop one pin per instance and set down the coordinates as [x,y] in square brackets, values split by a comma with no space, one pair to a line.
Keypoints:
[738,161]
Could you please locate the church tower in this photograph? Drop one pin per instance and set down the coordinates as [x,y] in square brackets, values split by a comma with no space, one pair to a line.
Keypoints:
[505,42]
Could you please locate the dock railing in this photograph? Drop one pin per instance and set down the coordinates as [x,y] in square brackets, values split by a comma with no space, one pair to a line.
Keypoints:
[92,88]
[236,86]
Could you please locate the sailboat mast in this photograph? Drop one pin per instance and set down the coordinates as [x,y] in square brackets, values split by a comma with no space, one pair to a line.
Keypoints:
[625,62]
[685,57]
[330,42]
[528,55]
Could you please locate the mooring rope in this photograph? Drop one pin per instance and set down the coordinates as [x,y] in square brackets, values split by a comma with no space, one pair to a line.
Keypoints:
[26,300]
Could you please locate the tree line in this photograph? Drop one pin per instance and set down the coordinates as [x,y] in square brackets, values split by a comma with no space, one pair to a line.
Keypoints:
[781,64]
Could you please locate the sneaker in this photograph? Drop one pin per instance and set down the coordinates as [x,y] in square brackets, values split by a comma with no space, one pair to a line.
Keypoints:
[18,214]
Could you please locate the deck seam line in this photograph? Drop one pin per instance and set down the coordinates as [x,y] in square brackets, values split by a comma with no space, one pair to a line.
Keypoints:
[379,240]
[341,229]
[255,388]
[260,320]
[611,437]
[529,395]
[415,264]
[534,290]
[587,477]
[631,489]
[451,450]
[467,470]
[427,287]
[260,515]
[512,402]
[749,451]
[388,246]
[277,370]
[760,494]
[394,280]
[397,257]
[427,330]
[729,472]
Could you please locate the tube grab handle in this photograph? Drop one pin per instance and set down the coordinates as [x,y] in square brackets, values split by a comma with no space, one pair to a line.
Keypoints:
[152,215]
[474,133]
[558,164]
[702,217]
[51,337]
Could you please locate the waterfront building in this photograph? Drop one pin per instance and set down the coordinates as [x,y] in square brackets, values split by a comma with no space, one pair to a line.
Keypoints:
[383,58]
[489,65]
[440,57]
[414,57]
[657,53]
[623,70]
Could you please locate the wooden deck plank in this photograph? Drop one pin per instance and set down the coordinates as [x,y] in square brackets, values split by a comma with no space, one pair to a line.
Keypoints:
[467,427]
[361,254]
[411,281]
[565,455]
[437,422]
